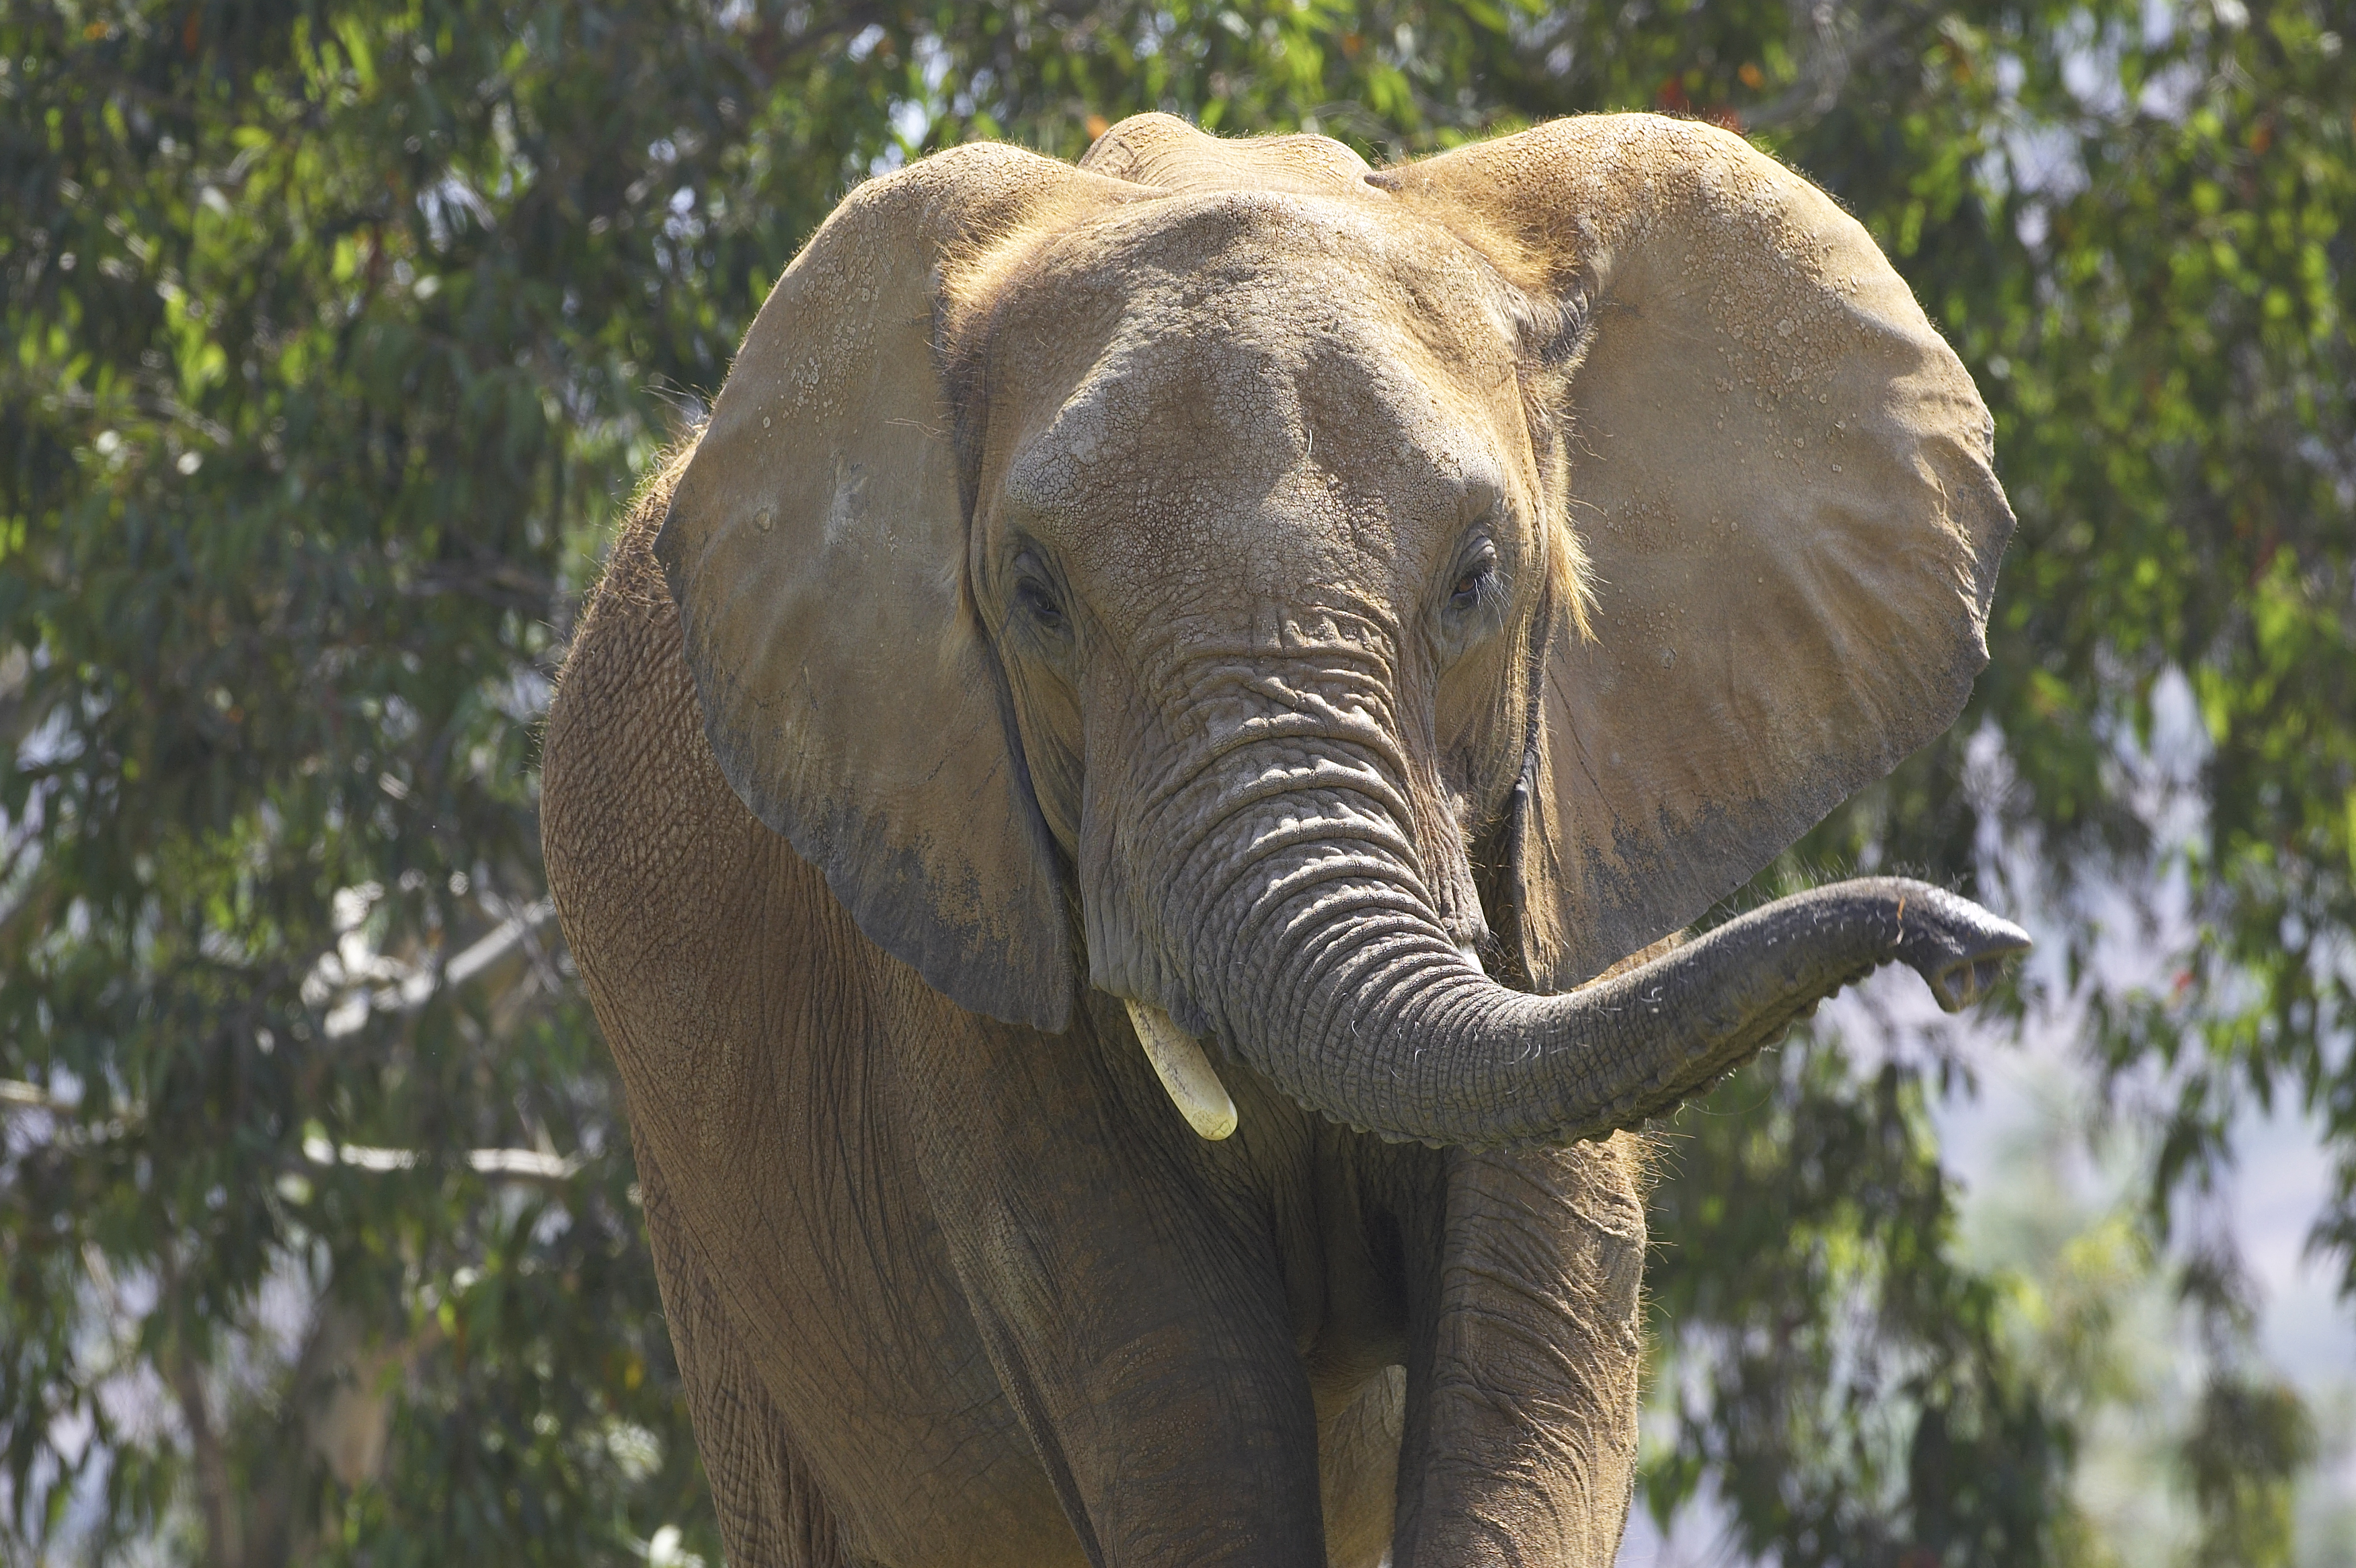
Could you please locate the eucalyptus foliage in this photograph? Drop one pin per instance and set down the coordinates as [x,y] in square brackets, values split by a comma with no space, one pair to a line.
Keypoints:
[332,336]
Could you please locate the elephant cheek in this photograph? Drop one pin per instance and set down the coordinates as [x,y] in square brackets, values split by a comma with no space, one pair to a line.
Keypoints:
[1129,955]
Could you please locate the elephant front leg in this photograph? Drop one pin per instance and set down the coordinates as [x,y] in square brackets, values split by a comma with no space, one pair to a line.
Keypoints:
[1134,1312]
[1524,1362]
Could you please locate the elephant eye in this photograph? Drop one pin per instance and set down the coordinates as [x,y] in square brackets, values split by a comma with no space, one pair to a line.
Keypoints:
[1476,582]
[1038,601]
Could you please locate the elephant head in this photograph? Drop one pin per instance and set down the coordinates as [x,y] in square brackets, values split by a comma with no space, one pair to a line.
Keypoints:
[1285,595]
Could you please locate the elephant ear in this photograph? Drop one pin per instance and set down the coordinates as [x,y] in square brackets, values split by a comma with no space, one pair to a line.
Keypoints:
[1781,479]
[816,544]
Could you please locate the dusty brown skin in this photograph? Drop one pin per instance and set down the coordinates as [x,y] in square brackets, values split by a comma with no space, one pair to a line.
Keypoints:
[1334,614]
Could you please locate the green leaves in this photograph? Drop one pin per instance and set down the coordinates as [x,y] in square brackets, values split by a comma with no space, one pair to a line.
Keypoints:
[1848,1389]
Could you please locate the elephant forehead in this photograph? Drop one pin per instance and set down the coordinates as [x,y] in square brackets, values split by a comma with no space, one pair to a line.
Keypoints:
[1189,374]
[1218,449]
[1254,279]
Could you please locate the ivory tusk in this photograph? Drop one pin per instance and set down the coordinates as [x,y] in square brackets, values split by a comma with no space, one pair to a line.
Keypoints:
[1185,1072]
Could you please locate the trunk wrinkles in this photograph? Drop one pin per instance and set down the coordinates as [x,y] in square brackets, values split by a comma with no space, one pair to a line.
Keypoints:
[1281,901]
[1302,925]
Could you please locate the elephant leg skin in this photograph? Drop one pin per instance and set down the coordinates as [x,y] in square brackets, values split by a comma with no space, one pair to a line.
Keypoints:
[1525,1355]
[1134,1310]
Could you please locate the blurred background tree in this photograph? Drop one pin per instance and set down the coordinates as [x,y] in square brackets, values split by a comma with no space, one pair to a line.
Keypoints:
[332,337]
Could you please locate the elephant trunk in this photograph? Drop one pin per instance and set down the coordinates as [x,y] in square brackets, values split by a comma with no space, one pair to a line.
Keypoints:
[1318,957]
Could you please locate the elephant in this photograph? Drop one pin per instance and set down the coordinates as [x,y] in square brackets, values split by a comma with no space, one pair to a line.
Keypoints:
[1126,805]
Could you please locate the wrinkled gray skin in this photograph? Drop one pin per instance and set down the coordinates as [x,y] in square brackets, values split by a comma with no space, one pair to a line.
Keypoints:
[1257,542]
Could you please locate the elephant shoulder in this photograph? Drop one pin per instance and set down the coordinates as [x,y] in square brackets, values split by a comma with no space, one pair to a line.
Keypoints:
[628,789]
[695,927]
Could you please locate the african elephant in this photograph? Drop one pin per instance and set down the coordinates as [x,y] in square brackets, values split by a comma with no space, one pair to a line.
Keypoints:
[1092,800]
